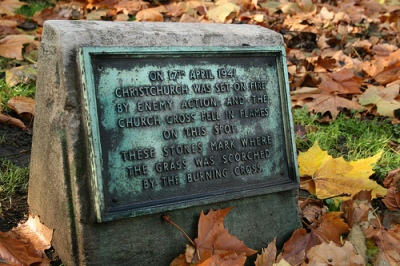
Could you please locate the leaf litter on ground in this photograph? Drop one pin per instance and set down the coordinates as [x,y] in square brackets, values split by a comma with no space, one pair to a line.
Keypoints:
[341,56]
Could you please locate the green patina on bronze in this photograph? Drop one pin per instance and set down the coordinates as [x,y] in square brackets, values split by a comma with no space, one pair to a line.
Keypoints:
[173,127]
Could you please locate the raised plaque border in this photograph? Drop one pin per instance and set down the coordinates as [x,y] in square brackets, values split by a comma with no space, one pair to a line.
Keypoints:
[91,115]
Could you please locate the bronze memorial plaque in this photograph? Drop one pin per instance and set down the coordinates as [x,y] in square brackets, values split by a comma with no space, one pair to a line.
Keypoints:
[173,127]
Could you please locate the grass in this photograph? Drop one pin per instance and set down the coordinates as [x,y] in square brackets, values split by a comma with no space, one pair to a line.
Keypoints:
[353,138]
[13,179]
[33,6]
[7,92]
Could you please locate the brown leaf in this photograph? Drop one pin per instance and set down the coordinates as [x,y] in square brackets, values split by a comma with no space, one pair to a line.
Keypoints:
[5,30]
[129,7]
[357,209]
[15,252]
[295,249]
[388,242]
[23,106]
[393,179]
[342,82]
[331,254]
[214,239]
[11,45]
[9,6]
[151,14]
[392,199]
[312,210]
[333,226]
[12,121]
[34,233]
[322,103]
[52,13]
[388,75]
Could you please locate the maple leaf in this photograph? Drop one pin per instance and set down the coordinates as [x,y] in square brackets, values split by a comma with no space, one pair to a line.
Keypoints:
[324,102]
[342,82]
[332,254]
[214,239]
[11,45]
[9,6]
[334,176]
[382,98]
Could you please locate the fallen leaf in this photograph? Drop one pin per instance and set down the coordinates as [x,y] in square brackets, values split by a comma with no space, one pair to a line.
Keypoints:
[180,261]
[335,176]
[392,199]
[9,6]
[333,226]
[11,45]
[388,242]
[34,233]
[21,74]
[231,259]
[322,103]
[214,239]
[129,7]
[52,13]
[268,255]
[151,14]
[23,106]
[342,82]
[220,12]
[388,75]
[295,249]
[12,121]
[312,210]
[384,99]
[357,209]
[393,179]
[331,254]
[17,253]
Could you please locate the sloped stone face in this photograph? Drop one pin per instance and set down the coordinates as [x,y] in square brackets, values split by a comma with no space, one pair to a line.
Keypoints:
[60,187]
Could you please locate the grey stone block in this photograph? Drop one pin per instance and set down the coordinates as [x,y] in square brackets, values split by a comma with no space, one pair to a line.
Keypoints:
[60,189]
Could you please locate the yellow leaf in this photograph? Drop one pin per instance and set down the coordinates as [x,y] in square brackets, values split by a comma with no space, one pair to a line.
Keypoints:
[334,176]
[222,11]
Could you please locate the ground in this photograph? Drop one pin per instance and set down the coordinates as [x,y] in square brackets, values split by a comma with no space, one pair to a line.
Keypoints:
[15,146]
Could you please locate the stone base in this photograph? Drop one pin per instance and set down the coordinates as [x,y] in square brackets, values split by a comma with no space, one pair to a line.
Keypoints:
[60,187]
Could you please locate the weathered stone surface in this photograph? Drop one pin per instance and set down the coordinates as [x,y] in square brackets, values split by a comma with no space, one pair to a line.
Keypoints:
[60,189]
